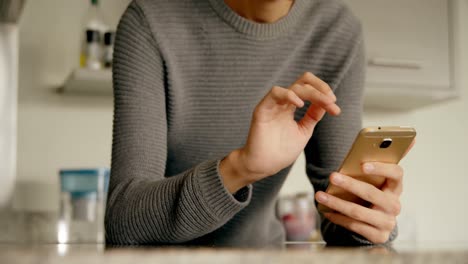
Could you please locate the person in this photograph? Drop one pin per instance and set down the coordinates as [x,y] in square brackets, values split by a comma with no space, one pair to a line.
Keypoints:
[215,100]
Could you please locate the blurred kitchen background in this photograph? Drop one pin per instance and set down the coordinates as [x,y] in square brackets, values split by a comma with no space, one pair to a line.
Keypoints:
[58,115]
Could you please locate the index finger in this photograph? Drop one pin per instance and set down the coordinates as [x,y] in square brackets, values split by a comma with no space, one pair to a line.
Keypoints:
[312,94]
[311,79]
[388,170]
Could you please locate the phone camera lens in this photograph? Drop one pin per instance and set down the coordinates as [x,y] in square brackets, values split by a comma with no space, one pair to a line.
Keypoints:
[386,143]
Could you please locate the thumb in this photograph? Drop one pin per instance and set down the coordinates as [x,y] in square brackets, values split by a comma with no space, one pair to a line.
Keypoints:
[313,115]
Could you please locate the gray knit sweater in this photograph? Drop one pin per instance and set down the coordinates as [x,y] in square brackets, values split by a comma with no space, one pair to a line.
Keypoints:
[187,76]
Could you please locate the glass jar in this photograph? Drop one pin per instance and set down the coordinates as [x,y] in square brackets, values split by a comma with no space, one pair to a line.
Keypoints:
[299,217]
[82,205]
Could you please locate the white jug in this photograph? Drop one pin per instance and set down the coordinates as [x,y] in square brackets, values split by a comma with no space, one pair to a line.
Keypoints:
[10,11]
[8,109]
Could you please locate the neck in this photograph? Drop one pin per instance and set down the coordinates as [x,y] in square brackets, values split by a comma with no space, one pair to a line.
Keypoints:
[262,11]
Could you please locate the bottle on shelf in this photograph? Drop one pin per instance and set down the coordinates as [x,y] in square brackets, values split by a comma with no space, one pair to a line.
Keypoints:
[93,28]
[93,50]
[108,49]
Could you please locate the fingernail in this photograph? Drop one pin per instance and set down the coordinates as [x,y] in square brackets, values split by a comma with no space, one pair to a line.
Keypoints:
[334,109]
[368,167]
[338,110]
[301,103]
[337,179]
[322,197]
[332,94]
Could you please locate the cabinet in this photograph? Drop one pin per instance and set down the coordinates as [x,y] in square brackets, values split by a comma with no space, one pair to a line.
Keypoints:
[411,51]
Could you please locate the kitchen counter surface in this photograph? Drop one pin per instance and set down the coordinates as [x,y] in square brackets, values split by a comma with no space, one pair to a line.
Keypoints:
[293,253]
[31,238]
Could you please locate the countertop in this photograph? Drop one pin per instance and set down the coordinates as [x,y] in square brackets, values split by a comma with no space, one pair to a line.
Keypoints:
[293,253]
[32,238]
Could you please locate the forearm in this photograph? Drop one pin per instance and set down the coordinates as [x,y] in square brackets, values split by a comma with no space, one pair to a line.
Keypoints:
[173,210]
[145,205]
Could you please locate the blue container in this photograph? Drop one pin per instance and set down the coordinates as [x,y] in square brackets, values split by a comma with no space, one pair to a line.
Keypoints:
[84,182]
[82,205]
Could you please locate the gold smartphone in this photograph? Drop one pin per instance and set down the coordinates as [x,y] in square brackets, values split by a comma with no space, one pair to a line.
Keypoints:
[380,144]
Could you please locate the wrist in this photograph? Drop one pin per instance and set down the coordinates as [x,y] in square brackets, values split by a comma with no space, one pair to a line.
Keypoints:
[233,172]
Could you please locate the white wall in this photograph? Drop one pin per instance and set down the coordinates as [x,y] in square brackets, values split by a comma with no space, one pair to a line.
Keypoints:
[56,131]
[436,171]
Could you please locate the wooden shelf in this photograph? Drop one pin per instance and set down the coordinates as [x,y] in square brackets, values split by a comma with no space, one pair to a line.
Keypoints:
[88,82]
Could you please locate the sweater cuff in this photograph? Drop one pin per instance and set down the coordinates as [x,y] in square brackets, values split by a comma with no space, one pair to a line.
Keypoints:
[219,200]
[243,194]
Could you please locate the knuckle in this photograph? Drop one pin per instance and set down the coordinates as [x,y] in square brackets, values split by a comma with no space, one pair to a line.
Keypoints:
[296,87]
[363,190]
[256,109]
[275,90]
[396,208]
[311,90]
[353,226]
[400,172]
[309,87]
[355,213]
[291,94]
[317,95]
[388,224]
[368,192]
[391,224]
[368,196]
[256,113]
[326,87]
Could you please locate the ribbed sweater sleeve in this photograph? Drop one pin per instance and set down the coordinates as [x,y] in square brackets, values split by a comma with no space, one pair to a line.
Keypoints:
[144,205]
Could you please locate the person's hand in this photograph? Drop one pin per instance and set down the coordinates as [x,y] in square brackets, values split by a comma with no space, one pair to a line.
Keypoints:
[275,139]
[377,222]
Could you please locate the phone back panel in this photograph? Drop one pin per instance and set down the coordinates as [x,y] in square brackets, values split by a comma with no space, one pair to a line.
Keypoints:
[366,148]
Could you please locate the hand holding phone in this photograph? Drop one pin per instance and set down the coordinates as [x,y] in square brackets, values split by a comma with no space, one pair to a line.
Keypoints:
[373,144]
[367,201]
